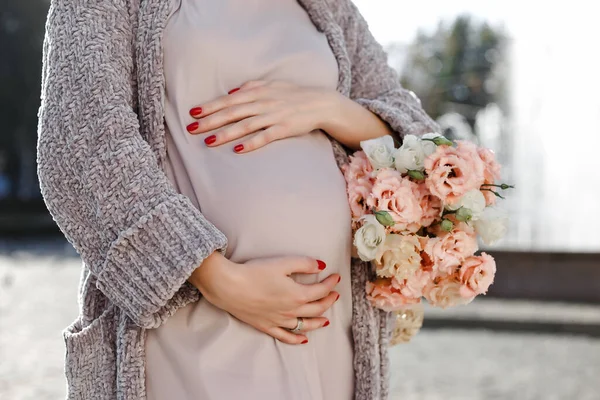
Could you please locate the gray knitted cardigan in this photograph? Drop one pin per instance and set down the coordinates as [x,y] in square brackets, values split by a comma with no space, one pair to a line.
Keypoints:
[101,154]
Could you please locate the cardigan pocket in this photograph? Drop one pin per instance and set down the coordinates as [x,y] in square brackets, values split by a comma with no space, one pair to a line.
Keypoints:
[90,361]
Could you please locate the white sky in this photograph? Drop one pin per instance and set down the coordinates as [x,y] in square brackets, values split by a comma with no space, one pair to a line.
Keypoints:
[398,20]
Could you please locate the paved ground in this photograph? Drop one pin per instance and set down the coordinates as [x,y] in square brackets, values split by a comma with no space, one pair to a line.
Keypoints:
[38,299]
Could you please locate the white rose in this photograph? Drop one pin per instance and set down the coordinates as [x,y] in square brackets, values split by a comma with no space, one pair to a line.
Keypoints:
[410,155]
[492,225]
[369,237]
[428,146]
[473,201]
[379,151]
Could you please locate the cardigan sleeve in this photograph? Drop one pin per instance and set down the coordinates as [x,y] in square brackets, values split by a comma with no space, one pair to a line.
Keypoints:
[375,85]
[99,178]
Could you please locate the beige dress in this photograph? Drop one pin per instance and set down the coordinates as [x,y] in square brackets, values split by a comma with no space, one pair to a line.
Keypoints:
[287,198]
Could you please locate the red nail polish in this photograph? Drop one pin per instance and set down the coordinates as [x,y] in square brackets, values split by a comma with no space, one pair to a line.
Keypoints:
[339,279]
[196,111]
[238,148]
[321,265]
[305,341]
[233,90]
[192,127]
[210,140]
[326,323]
[338,296]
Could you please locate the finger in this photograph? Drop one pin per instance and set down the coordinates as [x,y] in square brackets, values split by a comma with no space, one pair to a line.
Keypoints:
[246,93]
[308,324]
[316,291]
[225,117]
[252,84]
[286,336]
[239,129]
[303,265]
[263,138]
[318,307]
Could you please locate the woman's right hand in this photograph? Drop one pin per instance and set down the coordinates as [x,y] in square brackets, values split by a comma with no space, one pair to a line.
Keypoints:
[262,294]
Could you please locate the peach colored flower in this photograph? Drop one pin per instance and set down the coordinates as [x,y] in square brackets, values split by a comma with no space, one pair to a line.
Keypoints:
[477,274]
[414,285]
[397,195]
[358,167]
[358,192]
[491,173]
[449,251]
[431,206]
[382,294]
[399,257]
[491,170]
[453,171]
[446,293]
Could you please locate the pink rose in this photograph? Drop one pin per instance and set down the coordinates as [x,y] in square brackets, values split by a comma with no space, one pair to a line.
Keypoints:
[491,173]
[414,285]
[431,206]
[477,274]
[358,192]
[449,251]
[396,194]
[446,293]
[383,295]
[359,167]
[453,171]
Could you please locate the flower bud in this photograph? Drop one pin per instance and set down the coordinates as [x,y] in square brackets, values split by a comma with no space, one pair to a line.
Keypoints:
[447,225]
[464,214]
[418,175]
[384,218]
[442,141]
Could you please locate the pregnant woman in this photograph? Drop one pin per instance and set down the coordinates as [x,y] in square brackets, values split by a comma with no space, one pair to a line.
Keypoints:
[190,150]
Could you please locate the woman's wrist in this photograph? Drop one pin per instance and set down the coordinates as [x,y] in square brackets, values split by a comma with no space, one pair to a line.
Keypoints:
[349,122]
[216,272]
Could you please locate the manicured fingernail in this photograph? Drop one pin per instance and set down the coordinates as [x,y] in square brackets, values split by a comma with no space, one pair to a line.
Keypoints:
[211,139]
[338,296]
[326,323]
[196,111]
[305,341]
[321,265]
[339,278]
[233,90]
[192,127]
[238,148]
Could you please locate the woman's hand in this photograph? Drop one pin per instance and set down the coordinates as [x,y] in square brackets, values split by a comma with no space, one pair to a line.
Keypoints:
[275,110]
[262,294]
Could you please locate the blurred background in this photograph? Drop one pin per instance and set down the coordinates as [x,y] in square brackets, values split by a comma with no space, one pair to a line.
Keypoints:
[518,77]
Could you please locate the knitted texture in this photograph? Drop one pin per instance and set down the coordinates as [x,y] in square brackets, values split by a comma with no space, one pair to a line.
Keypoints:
[101,158]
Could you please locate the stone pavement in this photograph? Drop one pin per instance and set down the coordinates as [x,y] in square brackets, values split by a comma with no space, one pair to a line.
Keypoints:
[38,299]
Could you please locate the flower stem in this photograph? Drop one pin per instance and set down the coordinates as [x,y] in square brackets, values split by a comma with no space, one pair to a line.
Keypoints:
[496,193]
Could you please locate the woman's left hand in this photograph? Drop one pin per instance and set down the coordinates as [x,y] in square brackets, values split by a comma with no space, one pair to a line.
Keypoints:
[277,109]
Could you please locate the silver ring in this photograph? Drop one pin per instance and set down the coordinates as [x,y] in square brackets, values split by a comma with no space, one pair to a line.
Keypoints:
[299,326]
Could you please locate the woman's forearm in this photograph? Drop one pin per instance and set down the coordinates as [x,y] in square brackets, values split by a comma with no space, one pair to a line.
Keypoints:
[350,123]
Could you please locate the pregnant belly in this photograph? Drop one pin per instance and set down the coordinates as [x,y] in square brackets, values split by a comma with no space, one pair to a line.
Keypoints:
[287,198]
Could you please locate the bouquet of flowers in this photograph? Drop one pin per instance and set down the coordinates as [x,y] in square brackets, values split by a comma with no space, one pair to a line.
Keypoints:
[417,211]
